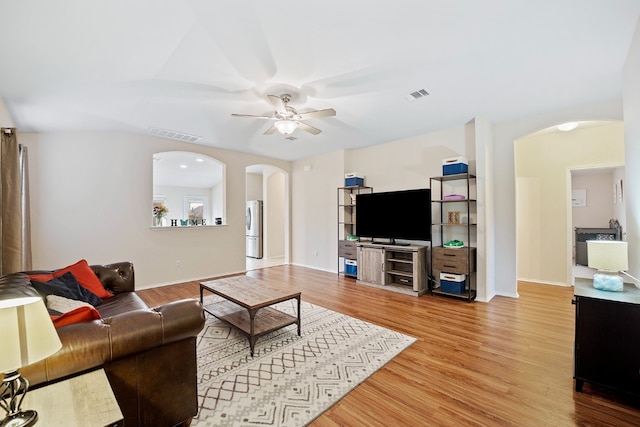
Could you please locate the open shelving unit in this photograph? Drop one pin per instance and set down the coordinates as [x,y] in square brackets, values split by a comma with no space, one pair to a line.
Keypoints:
[347,226]
[405,268]
[453,260]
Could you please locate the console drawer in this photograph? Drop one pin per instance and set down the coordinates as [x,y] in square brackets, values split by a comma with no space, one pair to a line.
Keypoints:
[347,249]
[454,260]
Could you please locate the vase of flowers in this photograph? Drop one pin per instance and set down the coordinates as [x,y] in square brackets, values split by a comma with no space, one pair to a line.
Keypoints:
[159,212]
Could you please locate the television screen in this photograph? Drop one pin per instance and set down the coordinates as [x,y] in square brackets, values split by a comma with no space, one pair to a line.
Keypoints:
[404,215]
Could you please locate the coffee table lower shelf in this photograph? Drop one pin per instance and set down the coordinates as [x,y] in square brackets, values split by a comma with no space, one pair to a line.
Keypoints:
[265,320]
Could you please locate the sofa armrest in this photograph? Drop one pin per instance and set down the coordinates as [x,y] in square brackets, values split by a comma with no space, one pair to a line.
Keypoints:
[89,345]
[173,315]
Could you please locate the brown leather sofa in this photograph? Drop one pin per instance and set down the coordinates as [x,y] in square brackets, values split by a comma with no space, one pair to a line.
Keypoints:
[148,354]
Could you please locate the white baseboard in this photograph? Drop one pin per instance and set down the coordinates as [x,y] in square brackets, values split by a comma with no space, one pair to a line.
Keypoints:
[542,282]
[313,267]
[195,279]
[507,294]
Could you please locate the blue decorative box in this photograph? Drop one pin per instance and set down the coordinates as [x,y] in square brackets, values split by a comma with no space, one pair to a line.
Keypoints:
[351,267]
[455,165]
[353,180]
[452,283]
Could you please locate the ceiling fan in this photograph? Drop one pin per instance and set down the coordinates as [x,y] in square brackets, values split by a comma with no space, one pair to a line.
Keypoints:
[287,119]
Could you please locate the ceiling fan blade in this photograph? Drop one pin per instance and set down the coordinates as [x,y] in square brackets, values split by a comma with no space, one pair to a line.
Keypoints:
[270,131]
[252,116]
[329,112]
[305,127]
[278,104]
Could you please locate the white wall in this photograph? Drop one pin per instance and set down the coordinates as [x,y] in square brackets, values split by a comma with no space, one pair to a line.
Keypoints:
[631,94]
[619,207]
[599,207]
[274,213]
[483,168]
[254,186]
[217,198]
[90,195]
[405,164]
[314,183]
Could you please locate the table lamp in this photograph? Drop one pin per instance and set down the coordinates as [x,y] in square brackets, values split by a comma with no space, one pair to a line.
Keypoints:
[609,257]
[27,335]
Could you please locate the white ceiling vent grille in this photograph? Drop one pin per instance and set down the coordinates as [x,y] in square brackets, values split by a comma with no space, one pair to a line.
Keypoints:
[171,134]
[421,93]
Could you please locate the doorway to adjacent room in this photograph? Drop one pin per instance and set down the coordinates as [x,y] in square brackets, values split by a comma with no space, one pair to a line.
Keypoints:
[270,185]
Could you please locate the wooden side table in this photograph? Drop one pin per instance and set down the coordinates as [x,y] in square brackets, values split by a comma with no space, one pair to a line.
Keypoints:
[83,401]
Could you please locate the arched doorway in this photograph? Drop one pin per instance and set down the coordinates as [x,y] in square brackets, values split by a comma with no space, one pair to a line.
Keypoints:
[543,164]
[270,185]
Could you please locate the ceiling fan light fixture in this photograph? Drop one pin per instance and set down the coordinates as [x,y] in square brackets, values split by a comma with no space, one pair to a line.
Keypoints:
[286,127]
[566,127]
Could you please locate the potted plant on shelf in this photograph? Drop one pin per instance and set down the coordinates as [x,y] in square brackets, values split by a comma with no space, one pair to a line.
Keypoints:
[159,212]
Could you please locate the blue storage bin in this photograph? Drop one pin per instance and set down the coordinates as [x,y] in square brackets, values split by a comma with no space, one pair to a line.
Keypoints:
[452,283]
[350,267]
[355,181]
[455,165]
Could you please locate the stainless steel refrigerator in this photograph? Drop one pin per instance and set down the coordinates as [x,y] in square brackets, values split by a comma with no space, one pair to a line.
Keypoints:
[254,228]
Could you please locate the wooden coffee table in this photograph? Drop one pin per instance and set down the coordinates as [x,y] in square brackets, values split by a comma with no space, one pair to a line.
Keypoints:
[246,305]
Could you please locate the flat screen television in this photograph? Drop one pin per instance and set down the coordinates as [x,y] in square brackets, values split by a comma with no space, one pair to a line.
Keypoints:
[403,215]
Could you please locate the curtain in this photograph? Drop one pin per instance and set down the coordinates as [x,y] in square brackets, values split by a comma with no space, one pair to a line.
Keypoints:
[15,226]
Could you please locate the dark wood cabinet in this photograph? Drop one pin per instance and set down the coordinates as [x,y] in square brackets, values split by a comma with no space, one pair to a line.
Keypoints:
[459,261]
[607,344]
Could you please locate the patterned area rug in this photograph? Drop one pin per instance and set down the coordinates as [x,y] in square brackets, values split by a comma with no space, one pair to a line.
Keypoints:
[290,380]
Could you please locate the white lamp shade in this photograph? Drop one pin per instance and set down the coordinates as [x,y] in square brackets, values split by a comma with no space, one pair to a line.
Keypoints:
[27,333]
[286,127]
[608,255]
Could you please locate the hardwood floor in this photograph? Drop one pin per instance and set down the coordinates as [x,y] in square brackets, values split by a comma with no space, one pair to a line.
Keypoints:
[507,362]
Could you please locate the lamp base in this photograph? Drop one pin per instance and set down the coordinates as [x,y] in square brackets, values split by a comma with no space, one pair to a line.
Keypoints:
[608,282]
[12,391]
[21,419]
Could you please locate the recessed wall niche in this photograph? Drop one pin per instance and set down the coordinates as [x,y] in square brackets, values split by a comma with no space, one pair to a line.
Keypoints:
[188,190]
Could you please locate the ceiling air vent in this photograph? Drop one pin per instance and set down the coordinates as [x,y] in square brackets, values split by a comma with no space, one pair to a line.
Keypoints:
[416,95]
[171,134]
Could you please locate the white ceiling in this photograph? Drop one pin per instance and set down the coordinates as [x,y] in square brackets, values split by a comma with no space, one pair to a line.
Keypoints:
[185,169]
[186,66]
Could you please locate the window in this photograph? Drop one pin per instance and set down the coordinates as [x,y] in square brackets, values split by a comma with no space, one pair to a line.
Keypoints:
[195,208]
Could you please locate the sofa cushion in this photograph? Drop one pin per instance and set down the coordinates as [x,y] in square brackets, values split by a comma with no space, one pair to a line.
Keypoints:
[58,305]
[70,311]
[66,286]
[121,303]
[83,273]
[80,314]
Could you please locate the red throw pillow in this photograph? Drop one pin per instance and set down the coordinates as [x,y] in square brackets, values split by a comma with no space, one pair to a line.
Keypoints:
[83,274]
[80,314]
